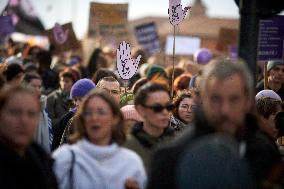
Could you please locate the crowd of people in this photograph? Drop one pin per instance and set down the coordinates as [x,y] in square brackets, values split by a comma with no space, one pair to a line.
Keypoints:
[70,123]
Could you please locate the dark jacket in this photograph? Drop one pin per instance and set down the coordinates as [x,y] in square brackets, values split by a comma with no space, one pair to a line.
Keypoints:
[144,144]
[265,160]
[58,104]
[260,87]
[164,162]
[32,171]
[59,128]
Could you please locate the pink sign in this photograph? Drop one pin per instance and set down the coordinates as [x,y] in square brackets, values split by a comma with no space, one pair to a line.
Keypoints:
[175,11]
[126,66]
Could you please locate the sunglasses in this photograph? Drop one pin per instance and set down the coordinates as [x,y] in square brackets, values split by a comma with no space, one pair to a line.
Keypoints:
[159,108]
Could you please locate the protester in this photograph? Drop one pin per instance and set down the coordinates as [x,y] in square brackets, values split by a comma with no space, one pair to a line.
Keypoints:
[58,102]
[14,74]
[181,83]
[177,72]
[110,85]
[213,161]
[226,93]
[43,134]
[156,71]
[264,168]
[96,159]
[24,164]
[183,112]
[49,77]
[97,61]
[64,127]
[131,117]
[152,102]
[101,73]
[275,69]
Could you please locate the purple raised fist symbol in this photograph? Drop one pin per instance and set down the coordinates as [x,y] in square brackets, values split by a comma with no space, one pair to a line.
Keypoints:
[175,11]
[126,66]
[59,34]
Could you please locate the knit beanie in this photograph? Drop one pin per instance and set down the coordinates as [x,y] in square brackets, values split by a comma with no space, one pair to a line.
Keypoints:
[130,113]
[272,63]
[12,71]
[267,93]
[155,70]
[82,87]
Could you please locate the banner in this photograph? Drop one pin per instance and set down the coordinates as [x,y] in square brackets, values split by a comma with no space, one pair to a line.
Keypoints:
[6,27]
[227,37]
[63,38]
[24,17]
[184,45]
[108,21]
[271,38]
[3,4]
[148,38]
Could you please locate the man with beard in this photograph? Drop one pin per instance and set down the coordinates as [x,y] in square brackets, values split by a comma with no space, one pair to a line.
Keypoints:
[275,69]
[226,94]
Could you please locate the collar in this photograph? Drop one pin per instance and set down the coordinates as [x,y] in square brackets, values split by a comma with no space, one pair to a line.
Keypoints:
[147,140]
[96,151]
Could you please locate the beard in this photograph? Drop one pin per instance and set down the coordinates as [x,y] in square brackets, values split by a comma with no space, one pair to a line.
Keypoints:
[225,124]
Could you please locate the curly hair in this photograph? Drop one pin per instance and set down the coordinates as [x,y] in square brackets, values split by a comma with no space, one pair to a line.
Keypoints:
[178,99]
[267,106]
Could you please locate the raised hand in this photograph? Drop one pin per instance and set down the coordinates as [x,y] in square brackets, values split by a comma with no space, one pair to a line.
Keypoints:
[126,66]
[175,11]
[59,34]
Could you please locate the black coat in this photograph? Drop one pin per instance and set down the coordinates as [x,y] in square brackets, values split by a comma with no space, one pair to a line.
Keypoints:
[32,171]
[59,128]
[163,166]
[265,159]
[165,160]
[260,87]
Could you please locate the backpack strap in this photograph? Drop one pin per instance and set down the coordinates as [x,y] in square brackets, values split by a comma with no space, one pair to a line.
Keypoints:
[71,174]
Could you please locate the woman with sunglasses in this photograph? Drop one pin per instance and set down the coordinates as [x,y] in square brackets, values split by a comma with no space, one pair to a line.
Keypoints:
[152,101]
[96,158]
[183,112]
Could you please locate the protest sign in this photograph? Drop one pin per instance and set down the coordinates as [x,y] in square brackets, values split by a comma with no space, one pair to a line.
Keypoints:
[126,65]
[271,38]
[148,38]
[227,37]
[6,27]
[175,12]
[108,21]
[63,38]
[185,45]
[176,15]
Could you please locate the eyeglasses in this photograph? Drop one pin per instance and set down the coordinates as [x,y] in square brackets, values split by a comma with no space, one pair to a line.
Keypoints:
[159,108]
[186,107]
[99,112]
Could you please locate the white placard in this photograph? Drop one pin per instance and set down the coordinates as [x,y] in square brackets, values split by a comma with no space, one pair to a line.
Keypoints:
[185,45]
[3,4]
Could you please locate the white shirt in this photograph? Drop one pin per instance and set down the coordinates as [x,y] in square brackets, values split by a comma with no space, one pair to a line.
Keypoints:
[97,167]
